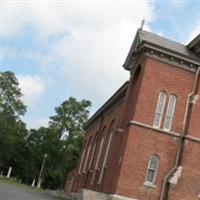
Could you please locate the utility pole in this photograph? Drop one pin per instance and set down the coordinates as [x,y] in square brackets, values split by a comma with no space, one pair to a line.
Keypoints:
[41,170]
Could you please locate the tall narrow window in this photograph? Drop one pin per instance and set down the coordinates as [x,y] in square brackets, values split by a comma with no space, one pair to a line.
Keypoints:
[105,157]
[98,158]
[170,112]
[86,159]
[92,157]
[99,154]
[152,170]
[159,110]
[111,133]
[81,162]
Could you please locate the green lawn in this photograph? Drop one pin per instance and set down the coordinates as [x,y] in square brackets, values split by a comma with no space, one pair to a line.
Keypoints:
[21,185]
[17,184]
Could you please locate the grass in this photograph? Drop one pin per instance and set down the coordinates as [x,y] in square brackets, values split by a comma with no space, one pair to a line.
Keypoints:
[12,181]
[62,198]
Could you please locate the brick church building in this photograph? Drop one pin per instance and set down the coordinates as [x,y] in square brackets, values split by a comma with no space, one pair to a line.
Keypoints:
[144,142]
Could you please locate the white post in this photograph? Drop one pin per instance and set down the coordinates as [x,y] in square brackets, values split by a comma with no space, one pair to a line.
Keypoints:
[9,172]
[33,183]
[41,170]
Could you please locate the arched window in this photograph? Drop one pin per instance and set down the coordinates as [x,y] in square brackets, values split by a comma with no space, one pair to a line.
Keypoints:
[159,109]
[92,156]
[99,153]
[170,112]
[87,155]
[101,142]
[81,161]
[152,170]
[110,132]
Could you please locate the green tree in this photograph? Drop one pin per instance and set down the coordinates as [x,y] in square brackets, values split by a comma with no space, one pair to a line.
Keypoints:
[10,94]
[11,126]
[70,117]
[61,141]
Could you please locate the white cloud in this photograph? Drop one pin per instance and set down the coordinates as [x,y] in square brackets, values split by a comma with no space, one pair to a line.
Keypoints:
[32,88]
[92,41]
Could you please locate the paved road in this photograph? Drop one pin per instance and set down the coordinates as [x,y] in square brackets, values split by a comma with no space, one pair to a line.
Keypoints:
[11,192]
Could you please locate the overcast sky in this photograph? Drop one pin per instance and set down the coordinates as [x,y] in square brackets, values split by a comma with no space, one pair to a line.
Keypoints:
[77,48]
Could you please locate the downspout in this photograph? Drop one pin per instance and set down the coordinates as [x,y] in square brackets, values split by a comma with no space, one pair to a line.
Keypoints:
[179,155]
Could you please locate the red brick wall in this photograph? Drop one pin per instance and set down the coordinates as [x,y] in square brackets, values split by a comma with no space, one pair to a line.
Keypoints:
[195,122]
[188,186]
[130,151]
[141,143]
[95,133]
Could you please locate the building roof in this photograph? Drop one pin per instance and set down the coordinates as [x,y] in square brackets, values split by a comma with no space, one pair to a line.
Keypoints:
[194,45]
[162,43]
[190,52]
[113,100]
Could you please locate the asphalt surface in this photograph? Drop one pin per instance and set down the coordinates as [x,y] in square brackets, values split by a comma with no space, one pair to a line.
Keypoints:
[11,192]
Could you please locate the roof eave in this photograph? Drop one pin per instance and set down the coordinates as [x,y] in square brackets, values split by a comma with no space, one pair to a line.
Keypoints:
[119,94]
[194,42]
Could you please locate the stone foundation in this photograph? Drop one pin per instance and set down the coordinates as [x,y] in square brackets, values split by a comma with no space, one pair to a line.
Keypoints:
[93,195]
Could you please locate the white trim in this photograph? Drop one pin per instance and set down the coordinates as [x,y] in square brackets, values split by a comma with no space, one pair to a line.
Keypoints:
[99,154]
[149,184]
[157,109]
[105,157]
[155,170]
[97,161]
[93,151]
[81,163]
[86,159]
[168,114]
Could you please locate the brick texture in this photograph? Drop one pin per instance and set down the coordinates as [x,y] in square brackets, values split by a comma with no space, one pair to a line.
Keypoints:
[131,149]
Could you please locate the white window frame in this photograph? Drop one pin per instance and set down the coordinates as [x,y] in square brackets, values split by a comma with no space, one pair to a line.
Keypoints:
[159,112]
[147,182]
[99,154]
[81,162]
[105,157]
[98,158]
[86,159]
[170,115]
[92,157]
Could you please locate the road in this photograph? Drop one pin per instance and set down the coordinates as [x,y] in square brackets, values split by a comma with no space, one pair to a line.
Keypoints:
[11,192]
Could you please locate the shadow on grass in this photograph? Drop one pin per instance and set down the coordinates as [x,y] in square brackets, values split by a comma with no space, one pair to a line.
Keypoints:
[14,182]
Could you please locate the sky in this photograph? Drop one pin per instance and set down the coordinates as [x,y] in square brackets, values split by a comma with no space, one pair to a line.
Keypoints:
[59,49]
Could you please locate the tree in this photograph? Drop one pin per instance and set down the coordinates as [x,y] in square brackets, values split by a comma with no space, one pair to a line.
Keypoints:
[61,141]
[11,107]
[70,117]
[25,149]
[10,94]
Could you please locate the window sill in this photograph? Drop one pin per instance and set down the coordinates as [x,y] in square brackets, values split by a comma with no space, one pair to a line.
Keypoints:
[149,185]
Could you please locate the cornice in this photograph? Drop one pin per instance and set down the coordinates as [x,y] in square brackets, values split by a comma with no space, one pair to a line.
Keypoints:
[166,56]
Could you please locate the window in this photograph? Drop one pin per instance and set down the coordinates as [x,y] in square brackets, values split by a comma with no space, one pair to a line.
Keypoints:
[98,159]
[107,150]
[99,154]
[81,162]
[86,159]
[152,170]
[92,157]
[159,110]
[170,112]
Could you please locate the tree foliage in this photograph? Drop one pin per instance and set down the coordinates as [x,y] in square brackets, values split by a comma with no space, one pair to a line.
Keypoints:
[61,140]
[12,130]
[24,149]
